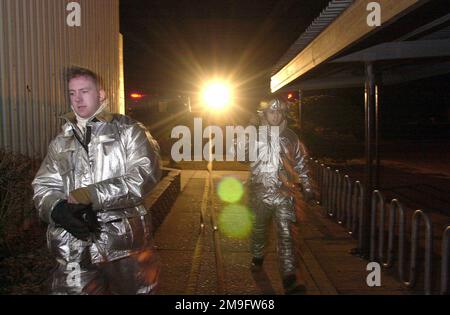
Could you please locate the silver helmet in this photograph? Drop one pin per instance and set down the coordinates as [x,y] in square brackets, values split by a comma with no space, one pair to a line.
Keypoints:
[272,104]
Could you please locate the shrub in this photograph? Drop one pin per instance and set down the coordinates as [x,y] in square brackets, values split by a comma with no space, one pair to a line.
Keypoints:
[16,207]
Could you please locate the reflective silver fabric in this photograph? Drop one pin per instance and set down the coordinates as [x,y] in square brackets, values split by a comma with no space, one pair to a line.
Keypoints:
[120,167]
[282,161]
[135,274]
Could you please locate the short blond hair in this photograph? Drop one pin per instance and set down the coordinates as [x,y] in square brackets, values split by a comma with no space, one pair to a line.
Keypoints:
[75,72]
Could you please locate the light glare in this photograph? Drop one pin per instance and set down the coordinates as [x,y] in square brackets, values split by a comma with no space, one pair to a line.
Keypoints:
[217,95]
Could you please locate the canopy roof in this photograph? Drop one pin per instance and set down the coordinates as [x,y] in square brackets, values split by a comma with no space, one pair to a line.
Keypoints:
[412,42]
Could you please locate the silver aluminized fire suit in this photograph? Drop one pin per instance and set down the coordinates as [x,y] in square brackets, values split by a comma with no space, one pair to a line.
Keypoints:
[281,159]
[119,166]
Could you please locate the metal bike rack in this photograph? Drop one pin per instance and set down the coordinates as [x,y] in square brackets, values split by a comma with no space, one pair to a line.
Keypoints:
[345,201]
[333,194]
[394,207]
[323,174]
[329,190]
[444,262]
[377,204]
[346,197]
[317,172]
[326,181]
[358,205]
[338,196]
[419,214]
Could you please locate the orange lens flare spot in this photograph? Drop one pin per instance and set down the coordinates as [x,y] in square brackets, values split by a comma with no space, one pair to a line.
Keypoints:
[136,95]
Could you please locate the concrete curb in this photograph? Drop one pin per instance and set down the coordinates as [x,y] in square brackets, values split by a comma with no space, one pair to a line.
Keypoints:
[163,196]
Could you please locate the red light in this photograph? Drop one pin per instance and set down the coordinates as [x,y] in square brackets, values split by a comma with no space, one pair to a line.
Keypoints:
[290,95]
[136,96]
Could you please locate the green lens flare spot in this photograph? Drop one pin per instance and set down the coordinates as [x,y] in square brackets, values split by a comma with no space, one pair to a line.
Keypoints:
[230,190]
[236,221]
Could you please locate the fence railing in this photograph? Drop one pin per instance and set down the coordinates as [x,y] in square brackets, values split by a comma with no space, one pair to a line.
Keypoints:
[343,201]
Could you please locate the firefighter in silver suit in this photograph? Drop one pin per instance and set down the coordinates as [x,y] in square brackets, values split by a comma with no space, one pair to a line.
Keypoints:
[279,170]
[90,190]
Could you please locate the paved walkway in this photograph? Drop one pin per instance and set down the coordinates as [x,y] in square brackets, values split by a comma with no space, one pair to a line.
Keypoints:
[207,261]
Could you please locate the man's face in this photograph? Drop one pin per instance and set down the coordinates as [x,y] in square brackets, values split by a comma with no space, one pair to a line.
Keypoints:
[274,117]
[85,96]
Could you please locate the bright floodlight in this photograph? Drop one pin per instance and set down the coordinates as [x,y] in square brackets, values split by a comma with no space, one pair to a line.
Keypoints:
[217,95]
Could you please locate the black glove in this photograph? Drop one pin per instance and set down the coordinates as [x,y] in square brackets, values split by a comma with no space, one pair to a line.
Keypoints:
[77,219]
[90,217]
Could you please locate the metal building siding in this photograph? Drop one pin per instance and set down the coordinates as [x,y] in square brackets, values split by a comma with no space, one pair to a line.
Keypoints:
[36,46]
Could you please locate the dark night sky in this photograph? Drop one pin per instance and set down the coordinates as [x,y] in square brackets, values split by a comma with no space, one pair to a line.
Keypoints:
[174,44]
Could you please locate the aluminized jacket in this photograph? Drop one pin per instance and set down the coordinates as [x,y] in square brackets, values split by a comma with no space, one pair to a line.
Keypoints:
[119,166]
[278,156]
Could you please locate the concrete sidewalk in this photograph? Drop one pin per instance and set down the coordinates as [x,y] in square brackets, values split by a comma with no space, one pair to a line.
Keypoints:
[204,261]
[326,264]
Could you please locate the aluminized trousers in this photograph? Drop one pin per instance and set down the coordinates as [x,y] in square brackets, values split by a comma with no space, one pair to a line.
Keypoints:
[135,274]
[282,210]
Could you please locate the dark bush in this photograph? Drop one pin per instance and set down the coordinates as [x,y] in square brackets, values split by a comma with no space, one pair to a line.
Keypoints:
[16,207]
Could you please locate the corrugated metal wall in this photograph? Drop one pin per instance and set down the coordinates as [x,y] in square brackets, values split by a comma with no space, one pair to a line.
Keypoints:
[36,45]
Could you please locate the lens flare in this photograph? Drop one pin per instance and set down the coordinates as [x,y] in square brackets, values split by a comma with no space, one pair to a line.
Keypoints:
[217,95]
[230,190]
[236,221]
